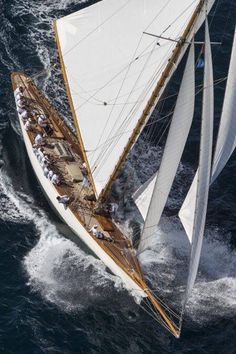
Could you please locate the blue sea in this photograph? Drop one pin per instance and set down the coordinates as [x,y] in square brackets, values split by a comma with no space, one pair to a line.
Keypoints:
[55,296]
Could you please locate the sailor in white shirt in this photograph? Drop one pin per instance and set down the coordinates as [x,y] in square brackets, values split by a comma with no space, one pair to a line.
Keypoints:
[41,122]
[24,114]
[40,154]
[55,179]
[44,162]
[46,171]
[28,125]
[64,199]
[43,117]
[19,96]
[20,110]
[94,230]
[35,151]
[38,139]
[21,103]
[99,234]
[50,174]
[18,90]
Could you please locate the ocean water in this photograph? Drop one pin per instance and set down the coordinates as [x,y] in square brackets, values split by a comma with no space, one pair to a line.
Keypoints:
[55,296]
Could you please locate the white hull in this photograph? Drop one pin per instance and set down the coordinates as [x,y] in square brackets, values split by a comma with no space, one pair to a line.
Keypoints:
[70,219]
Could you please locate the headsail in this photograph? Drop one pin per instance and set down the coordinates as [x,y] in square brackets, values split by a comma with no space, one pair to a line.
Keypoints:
[142,197]
[177,137]
[196,200]
[112,68]
[226,141]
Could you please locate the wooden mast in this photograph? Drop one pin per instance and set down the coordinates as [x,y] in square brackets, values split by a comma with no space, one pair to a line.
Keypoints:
[142,120]
[72,108]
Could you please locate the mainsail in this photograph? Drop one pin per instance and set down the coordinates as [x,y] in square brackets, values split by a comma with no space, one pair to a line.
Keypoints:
[195,205]
[177,136]
[111,69]
[226,141]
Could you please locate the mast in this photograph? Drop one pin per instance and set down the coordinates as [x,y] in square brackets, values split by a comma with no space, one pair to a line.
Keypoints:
[72,107]
[153,99]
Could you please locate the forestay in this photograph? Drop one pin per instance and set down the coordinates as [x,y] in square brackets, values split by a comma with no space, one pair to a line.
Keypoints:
[177,137]
[195,205]
[112,68]
[226,141]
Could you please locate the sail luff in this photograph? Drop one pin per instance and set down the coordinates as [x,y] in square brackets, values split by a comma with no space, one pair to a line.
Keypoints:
[176,140]
[202,177]
[170,67]
[79,135]
[226,140]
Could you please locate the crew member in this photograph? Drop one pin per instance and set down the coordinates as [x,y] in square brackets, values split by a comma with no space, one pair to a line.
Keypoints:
[45,171]
[55,179]
[64,199]
[99,234]
[19,90]
[50,174]
[28,126]
[39,140]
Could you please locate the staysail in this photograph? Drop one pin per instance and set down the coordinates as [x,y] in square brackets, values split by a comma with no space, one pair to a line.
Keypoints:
[226,141]
[142,197]
[194,207]
[177,136]
[110,88]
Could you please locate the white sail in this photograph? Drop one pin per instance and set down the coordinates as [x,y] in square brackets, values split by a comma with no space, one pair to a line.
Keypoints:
[143,195]
[188,211]
[226,141]
[177,137]
[112,67]
[197,198]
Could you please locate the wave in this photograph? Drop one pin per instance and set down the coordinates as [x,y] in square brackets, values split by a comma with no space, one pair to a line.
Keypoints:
[56,268]
[165,264]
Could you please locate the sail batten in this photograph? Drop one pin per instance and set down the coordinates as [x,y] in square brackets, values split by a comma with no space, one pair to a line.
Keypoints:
[194,208]
[110,88]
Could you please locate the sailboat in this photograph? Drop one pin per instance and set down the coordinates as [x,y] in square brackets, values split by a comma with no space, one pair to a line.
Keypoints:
[116,59]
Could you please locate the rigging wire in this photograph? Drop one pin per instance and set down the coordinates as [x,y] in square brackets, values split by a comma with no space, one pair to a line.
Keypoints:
[154,315]
[96,28]
[124,123]
[121,86]
[149,124]
[107,147]
[133,111]
[145,64]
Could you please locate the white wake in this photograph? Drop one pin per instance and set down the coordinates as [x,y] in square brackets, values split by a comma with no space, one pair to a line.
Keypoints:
[58,269]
